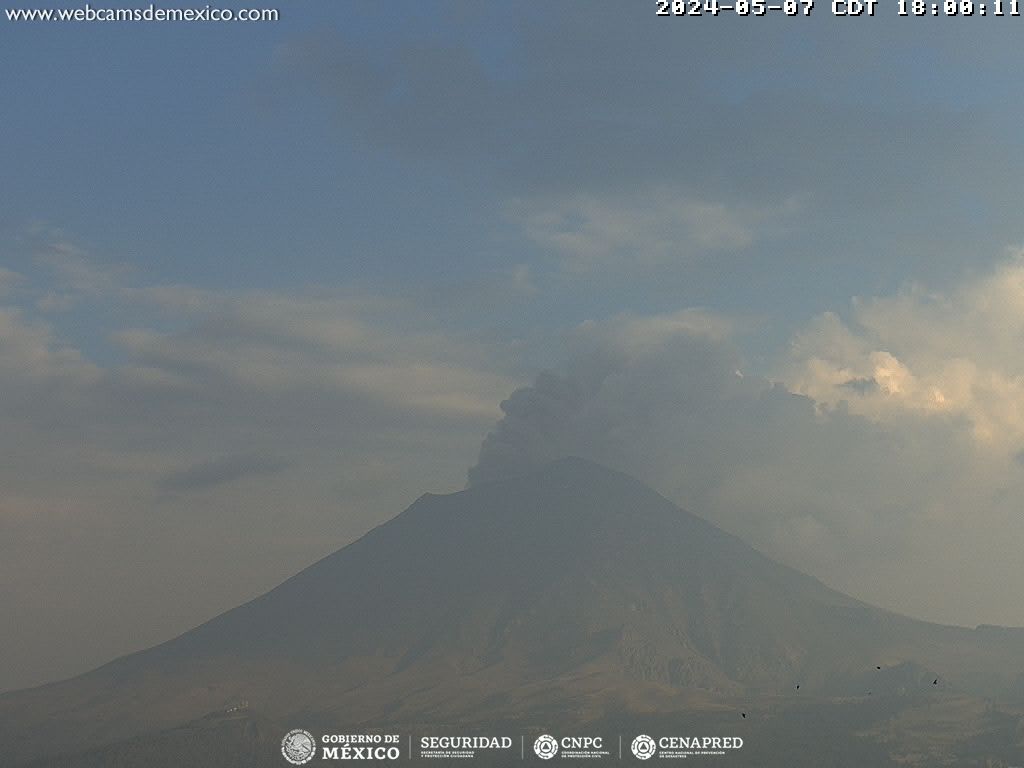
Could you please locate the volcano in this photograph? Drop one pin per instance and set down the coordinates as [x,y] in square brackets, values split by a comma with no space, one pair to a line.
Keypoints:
[573,595]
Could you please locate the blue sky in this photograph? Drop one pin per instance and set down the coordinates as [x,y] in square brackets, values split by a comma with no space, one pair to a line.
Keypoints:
[384,146]
[263,280]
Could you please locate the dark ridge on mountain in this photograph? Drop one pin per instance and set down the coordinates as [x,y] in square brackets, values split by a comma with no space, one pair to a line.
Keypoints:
[572,594]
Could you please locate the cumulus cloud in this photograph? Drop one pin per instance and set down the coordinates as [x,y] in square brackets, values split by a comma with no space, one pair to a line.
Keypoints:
[955,355]
[848,466]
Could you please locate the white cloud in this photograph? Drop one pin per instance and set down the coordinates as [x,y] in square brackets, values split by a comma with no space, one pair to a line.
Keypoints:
[952,355]
[30,352]
[74,272]
[655,228]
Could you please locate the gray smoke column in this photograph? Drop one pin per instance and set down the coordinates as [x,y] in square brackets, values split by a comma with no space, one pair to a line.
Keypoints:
[643,395]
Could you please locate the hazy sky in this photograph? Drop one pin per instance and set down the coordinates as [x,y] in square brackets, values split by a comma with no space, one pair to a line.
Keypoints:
[263,285]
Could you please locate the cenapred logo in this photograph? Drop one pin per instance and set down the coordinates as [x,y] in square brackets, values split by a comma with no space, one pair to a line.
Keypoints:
[546,747]
[643,747]
[298,746]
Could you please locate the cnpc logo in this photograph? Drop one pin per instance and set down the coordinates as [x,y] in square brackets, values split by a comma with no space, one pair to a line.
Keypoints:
[547,746]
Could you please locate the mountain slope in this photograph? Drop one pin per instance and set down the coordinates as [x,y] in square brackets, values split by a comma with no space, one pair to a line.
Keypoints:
[573,592]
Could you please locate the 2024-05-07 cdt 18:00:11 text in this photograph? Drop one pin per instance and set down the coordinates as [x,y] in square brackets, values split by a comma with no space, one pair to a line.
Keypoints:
[995,8]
